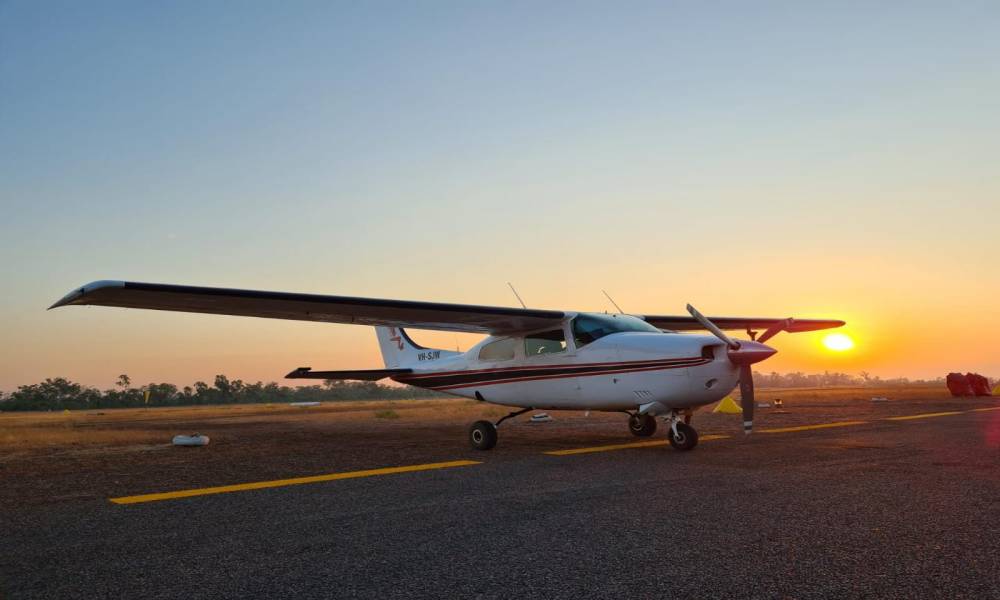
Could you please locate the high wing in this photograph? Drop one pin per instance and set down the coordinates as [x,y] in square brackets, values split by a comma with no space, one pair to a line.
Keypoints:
[470,318]
[313,307]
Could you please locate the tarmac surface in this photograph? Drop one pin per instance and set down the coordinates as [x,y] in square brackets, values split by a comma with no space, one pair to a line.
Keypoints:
[880,507]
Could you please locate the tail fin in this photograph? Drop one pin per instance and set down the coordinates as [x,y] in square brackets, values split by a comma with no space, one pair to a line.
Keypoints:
[398,350]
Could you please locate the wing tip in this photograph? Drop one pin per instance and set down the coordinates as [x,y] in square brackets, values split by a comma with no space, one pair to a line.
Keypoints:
[74,296]
[805,326]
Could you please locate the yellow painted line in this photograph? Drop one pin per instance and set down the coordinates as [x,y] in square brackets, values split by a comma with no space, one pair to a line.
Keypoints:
[704,438]
[985,409]
[924,416]
[808,427]
[260,485]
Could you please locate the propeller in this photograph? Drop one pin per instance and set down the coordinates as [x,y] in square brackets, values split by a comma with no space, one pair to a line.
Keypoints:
[733,344]
[742,354]
[746,398]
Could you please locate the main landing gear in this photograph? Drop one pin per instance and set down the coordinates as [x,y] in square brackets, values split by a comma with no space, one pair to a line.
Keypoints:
[642,425]
[483,434]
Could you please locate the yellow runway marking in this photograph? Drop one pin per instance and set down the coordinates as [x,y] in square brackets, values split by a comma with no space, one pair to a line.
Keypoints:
[703,438]
[260,485]
[985,409]
[924,416]
[808,427]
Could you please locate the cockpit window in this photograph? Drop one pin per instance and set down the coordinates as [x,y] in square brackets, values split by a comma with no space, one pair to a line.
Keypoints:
[546,342]
[590,327]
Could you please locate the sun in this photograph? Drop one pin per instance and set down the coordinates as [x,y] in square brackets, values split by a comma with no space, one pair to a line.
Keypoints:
[838,342]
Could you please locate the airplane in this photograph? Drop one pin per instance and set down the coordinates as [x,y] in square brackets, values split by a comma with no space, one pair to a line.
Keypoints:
[640,365]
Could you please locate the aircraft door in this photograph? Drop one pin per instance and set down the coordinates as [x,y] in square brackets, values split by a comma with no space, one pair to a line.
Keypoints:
[548,361]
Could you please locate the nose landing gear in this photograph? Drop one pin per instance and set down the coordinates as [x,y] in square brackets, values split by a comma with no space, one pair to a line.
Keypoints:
[681,435]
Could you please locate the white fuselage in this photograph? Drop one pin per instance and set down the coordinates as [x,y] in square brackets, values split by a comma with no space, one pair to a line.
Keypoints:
[619,371]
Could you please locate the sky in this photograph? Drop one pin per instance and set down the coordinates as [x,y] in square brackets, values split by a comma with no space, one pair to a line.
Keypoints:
[754,159]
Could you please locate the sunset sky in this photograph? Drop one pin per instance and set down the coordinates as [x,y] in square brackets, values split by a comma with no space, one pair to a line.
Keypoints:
[835,160]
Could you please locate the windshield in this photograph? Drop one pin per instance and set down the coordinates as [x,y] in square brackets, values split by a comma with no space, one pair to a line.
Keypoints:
[590,327]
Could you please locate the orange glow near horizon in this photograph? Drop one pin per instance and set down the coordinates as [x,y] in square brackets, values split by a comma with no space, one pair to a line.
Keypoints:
[94,345]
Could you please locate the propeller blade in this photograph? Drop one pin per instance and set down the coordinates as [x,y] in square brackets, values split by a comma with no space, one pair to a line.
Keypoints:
[733,344]
[747,399]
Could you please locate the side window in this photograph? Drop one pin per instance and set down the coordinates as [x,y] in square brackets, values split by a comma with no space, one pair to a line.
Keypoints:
[547,342]
[498,350]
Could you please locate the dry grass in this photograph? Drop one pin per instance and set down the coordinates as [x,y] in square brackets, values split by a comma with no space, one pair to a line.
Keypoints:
[120,427]
[33,437]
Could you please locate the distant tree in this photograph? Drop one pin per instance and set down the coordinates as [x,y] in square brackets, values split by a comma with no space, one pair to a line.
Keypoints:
[161,393]
[124,382]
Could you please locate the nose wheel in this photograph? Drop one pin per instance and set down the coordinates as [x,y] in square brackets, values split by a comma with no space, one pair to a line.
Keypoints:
[681,435]
[684,437]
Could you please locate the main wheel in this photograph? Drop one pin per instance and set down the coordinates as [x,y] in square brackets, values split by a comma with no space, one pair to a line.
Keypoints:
[483,435]
[642,425]
[685,439]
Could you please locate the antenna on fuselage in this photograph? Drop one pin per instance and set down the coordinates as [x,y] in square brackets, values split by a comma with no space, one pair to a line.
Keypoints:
[516,295]
[620,311]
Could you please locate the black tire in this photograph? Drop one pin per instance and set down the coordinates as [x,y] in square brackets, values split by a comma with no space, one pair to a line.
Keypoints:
[686,438]
[642,425]
[483,435]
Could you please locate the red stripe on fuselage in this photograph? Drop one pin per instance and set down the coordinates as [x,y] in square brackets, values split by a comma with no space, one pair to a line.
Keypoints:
[698,363]
[665,361]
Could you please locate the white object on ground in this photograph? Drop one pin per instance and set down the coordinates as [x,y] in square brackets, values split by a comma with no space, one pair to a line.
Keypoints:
[194,439]
[880,399]
[303,404]
[540,418]
[763,405]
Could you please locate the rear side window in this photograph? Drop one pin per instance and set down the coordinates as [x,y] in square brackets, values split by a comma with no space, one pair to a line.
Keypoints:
[498,350]
[546,342]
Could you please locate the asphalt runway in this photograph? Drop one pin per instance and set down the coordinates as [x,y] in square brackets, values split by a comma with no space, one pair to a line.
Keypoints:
[888,507]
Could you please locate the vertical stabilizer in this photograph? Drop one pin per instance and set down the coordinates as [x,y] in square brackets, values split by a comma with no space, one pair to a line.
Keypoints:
[398,350]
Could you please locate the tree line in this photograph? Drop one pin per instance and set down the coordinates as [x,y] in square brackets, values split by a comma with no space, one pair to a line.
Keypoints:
[61,394]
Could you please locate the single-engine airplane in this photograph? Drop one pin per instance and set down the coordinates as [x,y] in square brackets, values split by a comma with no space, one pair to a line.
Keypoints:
[531,359]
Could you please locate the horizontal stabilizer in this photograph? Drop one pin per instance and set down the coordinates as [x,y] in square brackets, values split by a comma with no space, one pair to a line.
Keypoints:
[356,375]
